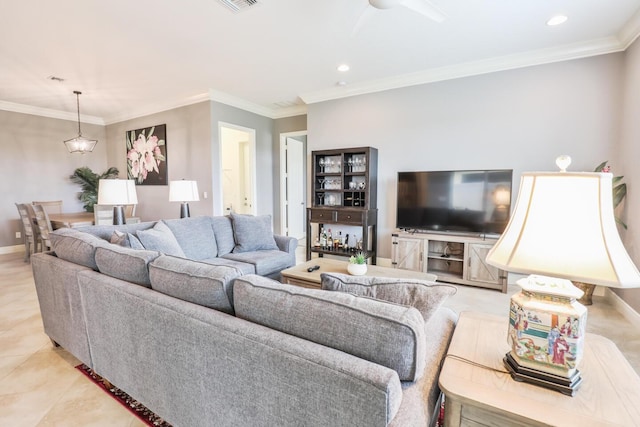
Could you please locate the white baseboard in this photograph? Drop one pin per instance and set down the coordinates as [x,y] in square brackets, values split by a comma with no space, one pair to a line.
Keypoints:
[625,309]
[11,249]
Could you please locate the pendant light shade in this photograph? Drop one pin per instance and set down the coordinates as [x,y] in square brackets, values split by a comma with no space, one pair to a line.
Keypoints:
[80,144]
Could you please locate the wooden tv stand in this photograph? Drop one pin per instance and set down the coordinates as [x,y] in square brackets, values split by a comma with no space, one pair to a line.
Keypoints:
[453,258]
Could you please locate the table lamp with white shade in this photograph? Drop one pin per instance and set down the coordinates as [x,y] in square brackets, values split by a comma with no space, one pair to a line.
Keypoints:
[183,191]
[562,229]
[117,192]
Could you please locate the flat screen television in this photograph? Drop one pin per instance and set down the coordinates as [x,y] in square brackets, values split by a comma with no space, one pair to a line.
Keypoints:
[470,201]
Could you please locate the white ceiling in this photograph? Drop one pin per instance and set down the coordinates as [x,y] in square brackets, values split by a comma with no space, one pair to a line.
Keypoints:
[134,57]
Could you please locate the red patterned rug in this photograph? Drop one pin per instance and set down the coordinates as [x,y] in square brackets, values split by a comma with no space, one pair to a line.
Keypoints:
[137,408]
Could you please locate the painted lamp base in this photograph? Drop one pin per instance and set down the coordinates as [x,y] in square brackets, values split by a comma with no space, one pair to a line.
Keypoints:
[546,333]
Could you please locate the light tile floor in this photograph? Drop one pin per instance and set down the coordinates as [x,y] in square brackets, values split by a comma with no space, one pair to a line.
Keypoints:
[40,387]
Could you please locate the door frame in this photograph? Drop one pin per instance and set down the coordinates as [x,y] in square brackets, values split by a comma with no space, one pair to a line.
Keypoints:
[252,146]
[283,178]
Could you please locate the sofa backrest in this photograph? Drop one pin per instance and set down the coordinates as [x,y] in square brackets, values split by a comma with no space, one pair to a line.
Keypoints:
[195,236]
[391,335]
[151,345]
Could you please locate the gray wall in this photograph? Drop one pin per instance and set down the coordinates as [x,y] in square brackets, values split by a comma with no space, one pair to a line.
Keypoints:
[627,162]
[521,120]
[188,157]
[35,165]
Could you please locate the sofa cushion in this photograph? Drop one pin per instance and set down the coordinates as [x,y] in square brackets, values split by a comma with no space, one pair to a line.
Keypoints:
[252,233]
[265,262]
[424,295]
[200,283]
[388,334]
[76,247]
[161,239]
[244,267]
[125,263]
[195,236]
[223,231]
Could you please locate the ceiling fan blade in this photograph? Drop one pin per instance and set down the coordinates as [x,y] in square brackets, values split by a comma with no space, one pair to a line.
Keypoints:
[366,14]
[426,8]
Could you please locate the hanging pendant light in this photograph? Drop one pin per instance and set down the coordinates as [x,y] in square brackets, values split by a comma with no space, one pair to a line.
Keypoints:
[80,144]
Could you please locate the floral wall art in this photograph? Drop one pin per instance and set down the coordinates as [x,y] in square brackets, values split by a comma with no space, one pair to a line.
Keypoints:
[147,155]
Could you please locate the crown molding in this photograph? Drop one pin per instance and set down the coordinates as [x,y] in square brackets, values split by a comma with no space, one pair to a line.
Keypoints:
[630,31]
[243,104]
[474,68]
[53,114]
[147,110]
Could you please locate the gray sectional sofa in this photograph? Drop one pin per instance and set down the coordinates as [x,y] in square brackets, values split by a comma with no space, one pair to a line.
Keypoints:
[207,342]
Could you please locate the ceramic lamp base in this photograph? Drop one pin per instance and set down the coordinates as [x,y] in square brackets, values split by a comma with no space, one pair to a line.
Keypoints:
[184,210]
[546,333]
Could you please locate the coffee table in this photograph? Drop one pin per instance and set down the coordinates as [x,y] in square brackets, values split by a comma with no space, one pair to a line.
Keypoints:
[477,394]
[298,274]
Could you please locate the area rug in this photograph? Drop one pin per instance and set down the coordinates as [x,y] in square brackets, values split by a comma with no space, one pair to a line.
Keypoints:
[136,408]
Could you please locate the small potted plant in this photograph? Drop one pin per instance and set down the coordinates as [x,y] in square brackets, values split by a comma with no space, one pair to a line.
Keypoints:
[357,264]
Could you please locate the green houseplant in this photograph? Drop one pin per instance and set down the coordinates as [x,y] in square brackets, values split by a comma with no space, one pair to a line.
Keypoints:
[88,181]
[619,193]
[619,189]
[357,264]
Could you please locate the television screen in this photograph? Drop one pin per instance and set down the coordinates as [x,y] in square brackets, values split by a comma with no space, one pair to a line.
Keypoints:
[477,201]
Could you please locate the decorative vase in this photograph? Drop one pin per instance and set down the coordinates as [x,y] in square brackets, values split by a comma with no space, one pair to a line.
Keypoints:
[357,269]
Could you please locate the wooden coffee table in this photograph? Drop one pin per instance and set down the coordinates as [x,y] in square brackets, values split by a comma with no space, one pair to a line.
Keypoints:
[477,394]
[298,274]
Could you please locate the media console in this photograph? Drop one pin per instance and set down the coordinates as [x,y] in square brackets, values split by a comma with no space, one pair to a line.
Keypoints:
[452,257]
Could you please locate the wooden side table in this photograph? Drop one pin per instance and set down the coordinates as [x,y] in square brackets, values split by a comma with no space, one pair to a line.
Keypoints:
[480,392]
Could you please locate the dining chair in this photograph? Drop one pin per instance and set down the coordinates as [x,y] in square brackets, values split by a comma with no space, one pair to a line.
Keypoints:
[51,206]
[29,230]
[103,214]
[44,225]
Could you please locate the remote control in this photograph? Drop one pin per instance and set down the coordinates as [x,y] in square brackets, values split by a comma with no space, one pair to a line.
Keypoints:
[314,268]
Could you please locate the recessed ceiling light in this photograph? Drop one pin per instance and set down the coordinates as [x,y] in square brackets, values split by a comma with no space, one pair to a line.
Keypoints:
[557,20]
[341,83]
[343,68]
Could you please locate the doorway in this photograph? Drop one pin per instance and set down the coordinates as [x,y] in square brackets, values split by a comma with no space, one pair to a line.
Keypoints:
[293,184]
[238,166]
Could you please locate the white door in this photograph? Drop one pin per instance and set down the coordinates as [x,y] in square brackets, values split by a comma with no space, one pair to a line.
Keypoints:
[237,146]
[295,185]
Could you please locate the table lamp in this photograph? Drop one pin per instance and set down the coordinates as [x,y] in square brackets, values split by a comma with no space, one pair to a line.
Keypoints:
[117,192]
[183,191]
[562,229]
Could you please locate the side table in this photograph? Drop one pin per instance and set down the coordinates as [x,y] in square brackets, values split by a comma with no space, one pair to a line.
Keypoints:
[480,392]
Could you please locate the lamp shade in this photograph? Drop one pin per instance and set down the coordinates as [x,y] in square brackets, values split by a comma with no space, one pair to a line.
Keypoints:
[80,144]
[183,191]
[117,192]
[563,226]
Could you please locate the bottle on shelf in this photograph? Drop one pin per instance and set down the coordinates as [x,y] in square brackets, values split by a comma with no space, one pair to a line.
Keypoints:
[346,243]
[323,238]
[329,240]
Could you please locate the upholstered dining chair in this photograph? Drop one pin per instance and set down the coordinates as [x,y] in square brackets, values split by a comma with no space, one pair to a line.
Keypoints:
[51,206]
[29,230]
[44,225]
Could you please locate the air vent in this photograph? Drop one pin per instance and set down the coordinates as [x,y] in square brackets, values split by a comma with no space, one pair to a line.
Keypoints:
[239,5]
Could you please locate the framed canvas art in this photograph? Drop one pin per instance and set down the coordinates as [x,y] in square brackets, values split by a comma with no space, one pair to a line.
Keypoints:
[147,155]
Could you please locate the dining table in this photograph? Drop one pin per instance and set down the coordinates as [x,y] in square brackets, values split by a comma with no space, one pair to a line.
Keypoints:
[71,219]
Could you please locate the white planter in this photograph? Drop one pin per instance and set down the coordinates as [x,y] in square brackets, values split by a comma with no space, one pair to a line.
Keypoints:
[357,269]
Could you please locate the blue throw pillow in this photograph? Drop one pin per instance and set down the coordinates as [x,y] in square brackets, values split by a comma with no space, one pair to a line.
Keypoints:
[252,233]
[161,239]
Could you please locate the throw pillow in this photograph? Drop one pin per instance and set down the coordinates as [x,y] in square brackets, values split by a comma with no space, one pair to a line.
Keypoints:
[161,239]
[426,296]
[119,238]
[252,233]
[134,242]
